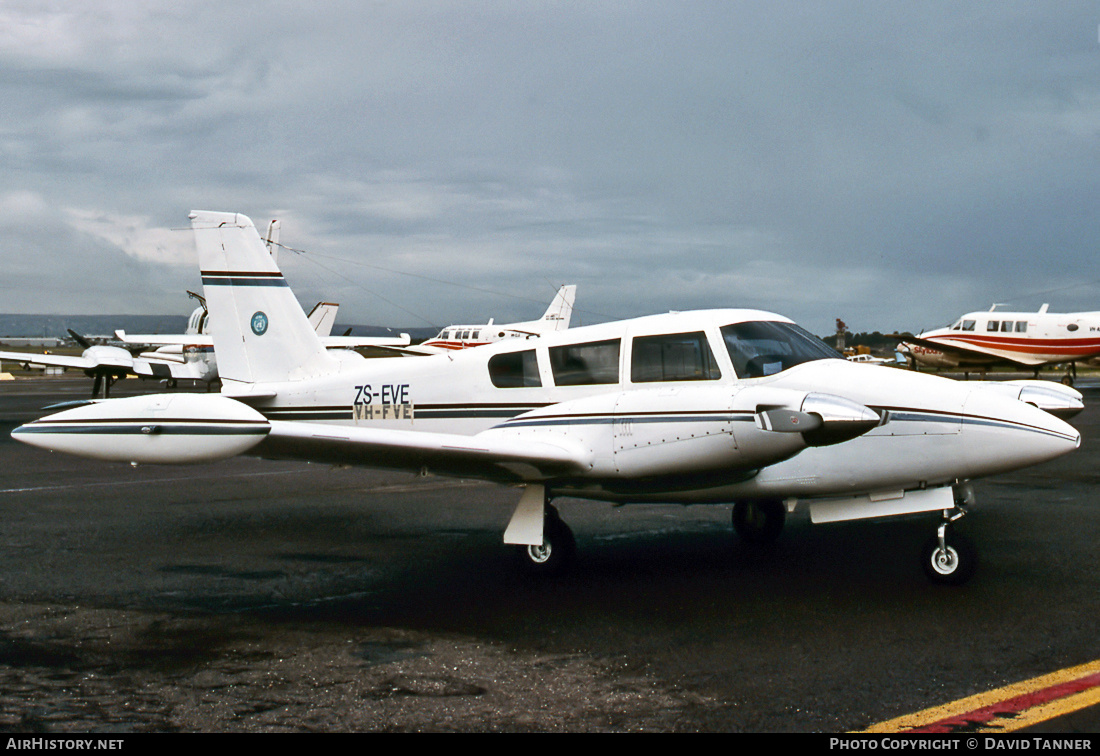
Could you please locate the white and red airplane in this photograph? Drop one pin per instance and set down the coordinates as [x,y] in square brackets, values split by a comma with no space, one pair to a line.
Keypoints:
[453,337]
[980,340]
[726,406]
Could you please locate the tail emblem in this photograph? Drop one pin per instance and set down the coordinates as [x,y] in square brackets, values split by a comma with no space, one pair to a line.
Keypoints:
[259,323]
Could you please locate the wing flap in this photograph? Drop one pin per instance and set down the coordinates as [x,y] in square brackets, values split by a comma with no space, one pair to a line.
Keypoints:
[490,455]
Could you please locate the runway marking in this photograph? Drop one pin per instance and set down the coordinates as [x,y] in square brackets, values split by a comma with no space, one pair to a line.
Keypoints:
[1010,708]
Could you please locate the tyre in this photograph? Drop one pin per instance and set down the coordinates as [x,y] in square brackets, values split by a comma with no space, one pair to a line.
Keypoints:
[759,521]
[556,554]
[952,565]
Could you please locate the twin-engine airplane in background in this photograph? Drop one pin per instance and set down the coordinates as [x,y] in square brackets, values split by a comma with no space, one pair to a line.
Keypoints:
[706,407]
[105,364]
[556,318]
[979,340]
[196,345]
[186,356]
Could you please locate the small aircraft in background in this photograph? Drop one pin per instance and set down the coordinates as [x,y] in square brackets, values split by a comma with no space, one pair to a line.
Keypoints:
[106,364]
[870,359]
[454,337]
[979,340]
[186,356]
[705,407]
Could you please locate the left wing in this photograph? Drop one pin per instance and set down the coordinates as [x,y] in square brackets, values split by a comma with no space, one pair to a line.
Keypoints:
[486,455]
[187,428]
[58,360]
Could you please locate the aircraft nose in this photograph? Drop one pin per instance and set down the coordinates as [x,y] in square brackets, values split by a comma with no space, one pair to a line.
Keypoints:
[1004,434]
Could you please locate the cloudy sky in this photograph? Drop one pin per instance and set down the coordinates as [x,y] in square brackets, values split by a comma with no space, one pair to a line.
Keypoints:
[892,165]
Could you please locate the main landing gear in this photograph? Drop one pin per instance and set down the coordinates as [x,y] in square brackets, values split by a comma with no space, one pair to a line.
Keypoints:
[102,383]
[759,522]
[558,550]
[1071,374]
[544,543]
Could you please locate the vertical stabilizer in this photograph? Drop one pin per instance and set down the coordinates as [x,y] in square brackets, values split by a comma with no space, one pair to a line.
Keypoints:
[323,317]
[560,311]
[260,332]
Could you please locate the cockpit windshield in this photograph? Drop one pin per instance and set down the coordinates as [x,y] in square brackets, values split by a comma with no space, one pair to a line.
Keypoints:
[759,348]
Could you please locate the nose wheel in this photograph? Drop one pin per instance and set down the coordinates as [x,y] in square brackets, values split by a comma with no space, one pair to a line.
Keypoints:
[949,558]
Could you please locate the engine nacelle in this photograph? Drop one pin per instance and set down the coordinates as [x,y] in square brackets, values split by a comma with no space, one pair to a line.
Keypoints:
[1061,401]
[153,429]
[666,432]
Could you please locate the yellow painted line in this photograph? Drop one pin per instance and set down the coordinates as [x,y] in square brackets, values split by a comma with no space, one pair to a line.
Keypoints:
[1010,708]
[1051,710]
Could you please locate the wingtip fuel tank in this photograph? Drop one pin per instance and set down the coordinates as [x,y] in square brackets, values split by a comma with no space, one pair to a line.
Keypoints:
[152,429]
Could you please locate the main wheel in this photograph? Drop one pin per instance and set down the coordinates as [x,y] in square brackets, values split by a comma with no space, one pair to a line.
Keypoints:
[951,565]
[759,521]
[556,553]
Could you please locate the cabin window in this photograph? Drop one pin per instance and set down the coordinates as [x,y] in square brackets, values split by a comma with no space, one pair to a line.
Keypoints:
[1071,327]
[1006,326]
[993,325]
[585,364]
[968,325]
[759,348]
[673,357]
[475,335]
[1021,326]
[515,370]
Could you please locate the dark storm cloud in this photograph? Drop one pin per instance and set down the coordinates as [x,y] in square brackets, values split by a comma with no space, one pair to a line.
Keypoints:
[892,166]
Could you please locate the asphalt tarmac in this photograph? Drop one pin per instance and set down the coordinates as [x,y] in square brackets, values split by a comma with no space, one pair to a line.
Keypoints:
[252,596]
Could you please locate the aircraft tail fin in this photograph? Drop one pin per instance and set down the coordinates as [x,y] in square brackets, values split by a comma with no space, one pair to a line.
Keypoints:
[261,334]
[560,311]
[322,317]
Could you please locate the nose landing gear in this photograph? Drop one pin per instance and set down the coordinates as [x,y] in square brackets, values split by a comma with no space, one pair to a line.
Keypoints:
[949,559]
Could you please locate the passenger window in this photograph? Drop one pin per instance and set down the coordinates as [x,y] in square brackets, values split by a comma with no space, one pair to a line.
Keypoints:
[673,357]
[585,364]
[1021,326]
[1006,326]
[993,325]
[515,370]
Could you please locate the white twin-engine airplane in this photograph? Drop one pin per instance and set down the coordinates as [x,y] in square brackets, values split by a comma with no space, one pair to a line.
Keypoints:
[1027,339]
[713,406]
[556,318]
